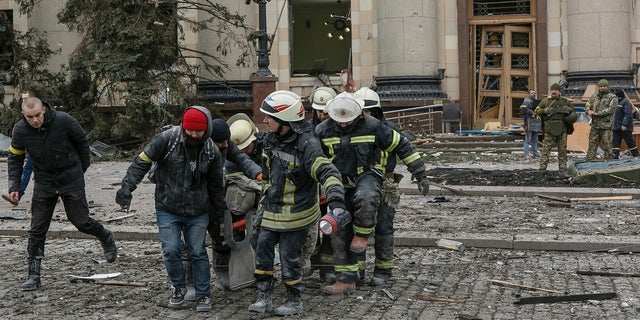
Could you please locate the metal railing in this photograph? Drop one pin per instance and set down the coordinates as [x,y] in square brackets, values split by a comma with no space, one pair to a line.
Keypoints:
[418,120]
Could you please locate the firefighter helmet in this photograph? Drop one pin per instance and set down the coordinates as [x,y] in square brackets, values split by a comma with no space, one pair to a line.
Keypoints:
[321,96]
[243,130]
[283,105]
[344,107]
[370,97]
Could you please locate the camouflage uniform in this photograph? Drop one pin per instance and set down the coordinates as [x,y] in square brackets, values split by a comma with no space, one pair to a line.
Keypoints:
[603,104]
[554,111]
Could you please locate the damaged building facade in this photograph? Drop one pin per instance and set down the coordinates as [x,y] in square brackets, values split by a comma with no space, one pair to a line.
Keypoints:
[482,55]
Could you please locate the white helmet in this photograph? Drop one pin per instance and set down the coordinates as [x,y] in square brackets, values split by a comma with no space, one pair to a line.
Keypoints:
[370,97]
[344,107]
[320,96]
[284,105]
[243,130]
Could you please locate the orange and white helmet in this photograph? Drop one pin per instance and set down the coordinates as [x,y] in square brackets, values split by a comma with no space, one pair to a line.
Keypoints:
[283,105]
[320,97]
[243,130]
[345,107]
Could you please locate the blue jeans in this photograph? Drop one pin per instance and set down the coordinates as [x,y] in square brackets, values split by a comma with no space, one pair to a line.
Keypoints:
[170,230]
[531,139]
[26,176]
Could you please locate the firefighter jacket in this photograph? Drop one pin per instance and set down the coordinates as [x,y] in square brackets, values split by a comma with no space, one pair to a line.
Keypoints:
[189,179]
[358,151]
[59,149]
[603,104]
[293,165]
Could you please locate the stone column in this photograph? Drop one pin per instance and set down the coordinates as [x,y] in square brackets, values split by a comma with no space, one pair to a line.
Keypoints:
[598,35]
[407,42]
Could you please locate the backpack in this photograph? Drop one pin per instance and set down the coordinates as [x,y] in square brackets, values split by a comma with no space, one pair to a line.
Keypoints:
[171,144]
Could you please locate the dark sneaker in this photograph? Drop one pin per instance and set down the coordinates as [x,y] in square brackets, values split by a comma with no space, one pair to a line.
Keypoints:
[109,247]
[177,297]
[6,197]
[203,304]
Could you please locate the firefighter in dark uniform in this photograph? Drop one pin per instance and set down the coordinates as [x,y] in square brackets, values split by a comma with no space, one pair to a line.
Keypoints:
[294,166]
[354,143]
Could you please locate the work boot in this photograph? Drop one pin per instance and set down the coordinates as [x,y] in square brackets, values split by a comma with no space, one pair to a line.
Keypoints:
[380,277]
[339,288]
[265,297]
[292,305]
[109,247]
[328,276]
[361,274]
[358,244]
[33,281]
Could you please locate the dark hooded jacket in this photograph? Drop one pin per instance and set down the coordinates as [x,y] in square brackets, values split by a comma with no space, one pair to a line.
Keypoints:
[59,149]
[184,186]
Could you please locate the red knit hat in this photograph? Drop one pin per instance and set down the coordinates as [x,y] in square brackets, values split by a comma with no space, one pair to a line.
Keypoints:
[194,119]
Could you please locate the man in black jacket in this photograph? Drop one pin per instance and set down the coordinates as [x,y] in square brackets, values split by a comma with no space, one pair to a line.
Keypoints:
[60,151]
[189,193]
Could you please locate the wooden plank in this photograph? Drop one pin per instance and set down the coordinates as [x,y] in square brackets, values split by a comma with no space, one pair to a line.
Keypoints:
[606,274]
[520,286]
[123,283]
[454,190]
[572,297]
[629,211]
[624,197]
[550,197]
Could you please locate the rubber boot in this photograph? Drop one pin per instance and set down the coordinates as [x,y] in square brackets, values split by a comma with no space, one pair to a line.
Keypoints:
[33,281]
[339,288]
[291,306]
[265,297]
[380,277]
[109,246]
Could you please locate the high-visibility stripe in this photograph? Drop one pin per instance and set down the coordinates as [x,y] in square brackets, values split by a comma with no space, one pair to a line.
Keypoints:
[17,152]
[290,220]
[267,272]
[293,282]
[384,264]
[317,163]
[362,230]
[361,265]
[346,268]
[411,158]
[395,141]
[144,157]
[363,139]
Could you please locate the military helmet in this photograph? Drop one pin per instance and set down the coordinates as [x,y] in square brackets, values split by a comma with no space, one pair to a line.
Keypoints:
[370,97]
[344,107]
[283,105]
[321,96]
[243,130]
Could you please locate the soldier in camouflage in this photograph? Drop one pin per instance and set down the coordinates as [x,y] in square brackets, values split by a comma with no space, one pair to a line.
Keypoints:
[601,107]
[558,113]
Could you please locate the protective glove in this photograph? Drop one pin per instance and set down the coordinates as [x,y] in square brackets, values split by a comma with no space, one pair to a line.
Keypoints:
[123,197]
[336,204]
[423,183]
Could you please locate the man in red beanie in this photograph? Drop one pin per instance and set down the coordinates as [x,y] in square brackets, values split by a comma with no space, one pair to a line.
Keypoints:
[189,193]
